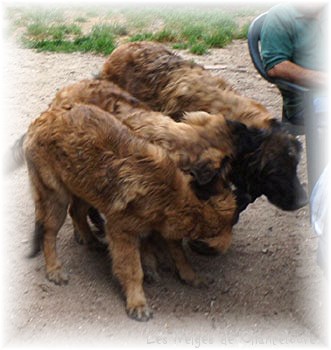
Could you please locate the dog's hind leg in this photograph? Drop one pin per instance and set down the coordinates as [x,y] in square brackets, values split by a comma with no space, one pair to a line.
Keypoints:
[124,248]
[56,214]
[51,205]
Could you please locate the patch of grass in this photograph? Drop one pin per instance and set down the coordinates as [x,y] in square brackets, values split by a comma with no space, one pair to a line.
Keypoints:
[99,40]
[118,29]
[51,45]
[196,29]
[221,33]
[165,36]
[41,31]
[180,46]
[142,37]
[243,32]
[36,29]
[192,32]
[198,48]
[200,30]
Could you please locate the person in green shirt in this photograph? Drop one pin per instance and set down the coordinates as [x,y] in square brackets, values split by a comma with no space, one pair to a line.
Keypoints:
[293,48]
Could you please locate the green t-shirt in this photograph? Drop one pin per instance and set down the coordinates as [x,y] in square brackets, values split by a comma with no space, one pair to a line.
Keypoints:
[289,35]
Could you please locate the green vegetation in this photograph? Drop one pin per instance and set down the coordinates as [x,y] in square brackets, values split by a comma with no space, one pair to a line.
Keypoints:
[40,31]
[75,29]
[99,40]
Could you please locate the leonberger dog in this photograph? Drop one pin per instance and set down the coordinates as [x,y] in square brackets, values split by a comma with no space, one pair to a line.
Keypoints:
[172,85]
[81,156]
[201,148]
[203,145]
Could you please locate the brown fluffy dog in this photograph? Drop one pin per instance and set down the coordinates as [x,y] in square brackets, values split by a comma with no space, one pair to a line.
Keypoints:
[199,146]
[83,156]
[170,84]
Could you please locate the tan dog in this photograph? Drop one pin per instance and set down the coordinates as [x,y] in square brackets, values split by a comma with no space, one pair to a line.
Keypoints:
[201,146]
[83,156]
[170,84]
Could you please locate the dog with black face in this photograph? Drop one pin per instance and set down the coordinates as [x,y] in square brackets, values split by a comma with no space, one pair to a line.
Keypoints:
[270,169]
[168,83]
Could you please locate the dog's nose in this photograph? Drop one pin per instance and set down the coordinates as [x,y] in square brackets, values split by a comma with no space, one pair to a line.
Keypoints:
[302,200]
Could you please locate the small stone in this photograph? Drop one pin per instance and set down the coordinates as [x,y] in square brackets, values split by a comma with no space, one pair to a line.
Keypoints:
[226,290]
[196,308]
[265,250]
[44,287]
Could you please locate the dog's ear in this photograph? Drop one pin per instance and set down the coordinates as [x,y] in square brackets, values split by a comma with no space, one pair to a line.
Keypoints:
[203,171]
[245,139]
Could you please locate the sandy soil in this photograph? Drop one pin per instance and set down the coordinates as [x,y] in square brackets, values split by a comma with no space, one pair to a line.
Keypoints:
[266,290]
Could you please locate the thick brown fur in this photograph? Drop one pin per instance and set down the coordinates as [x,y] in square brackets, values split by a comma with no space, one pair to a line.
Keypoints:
[170,84]
[199,146]
[82,156]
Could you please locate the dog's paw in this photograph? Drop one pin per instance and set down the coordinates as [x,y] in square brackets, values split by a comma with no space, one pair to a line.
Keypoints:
[198,282]
[78,237]
[151,276]
[140,313]
[58,277]
[204,281]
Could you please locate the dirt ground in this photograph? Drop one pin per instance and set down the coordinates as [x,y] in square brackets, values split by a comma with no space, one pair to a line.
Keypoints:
[267,290]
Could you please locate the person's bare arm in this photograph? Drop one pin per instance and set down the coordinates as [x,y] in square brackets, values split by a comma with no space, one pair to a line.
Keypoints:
[294,73]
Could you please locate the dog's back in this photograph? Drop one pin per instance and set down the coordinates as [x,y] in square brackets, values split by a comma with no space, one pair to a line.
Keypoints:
[168,83]
[95,157]
[103,94]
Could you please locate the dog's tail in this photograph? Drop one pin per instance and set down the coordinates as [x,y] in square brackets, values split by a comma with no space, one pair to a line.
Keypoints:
[14,157]
[37,240]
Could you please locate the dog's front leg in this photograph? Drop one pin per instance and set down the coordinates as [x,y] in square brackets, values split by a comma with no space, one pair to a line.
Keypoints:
[184,268]
[124,248]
